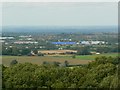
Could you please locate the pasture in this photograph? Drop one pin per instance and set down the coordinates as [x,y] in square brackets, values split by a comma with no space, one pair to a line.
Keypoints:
[92,57]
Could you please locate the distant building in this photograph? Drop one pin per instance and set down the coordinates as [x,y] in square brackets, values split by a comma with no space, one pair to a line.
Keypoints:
[25,42]
[95,53]
[29,38]
[4,38]
[22,36]
[64,43]
[2,41]
[85,42]
[95,42]
[92,42]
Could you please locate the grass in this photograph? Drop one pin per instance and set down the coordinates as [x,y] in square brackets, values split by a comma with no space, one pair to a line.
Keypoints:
[92,57]
[80,59]
[89,57]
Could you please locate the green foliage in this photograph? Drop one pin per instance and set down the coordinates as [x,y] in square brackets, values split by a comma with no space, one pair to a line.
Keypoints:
[13,62]
[109,82]
[35,51]
[101,73]
[40,54]
[74,56]
[83,51]
[25,51]
[15,51]
[66,63]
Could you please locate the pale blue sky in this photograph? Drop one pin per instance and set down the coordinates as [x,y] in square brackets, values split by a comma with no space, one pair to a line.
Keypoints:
[60,14]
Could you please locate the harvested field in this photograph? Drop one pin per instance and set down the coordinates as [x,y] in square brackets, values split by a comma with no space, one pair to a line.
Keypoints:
[80,59]
[39,60]
[53,52]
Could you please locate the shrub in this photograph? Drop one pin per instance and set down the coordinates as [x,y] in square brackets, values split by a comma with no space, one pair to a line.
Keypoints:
[13,62]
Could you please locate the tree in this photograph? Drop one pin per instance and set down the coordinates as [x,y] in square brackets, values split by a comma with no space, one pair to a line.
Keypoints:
[45,63]
[102,73]
[13,62]
[58,84]
[109,82]
[83,51]
[74,56]
[40,54]
[56,63]
[66,63]
[25,51]
[35,51]
[15,51]
[50,46]
[103,49]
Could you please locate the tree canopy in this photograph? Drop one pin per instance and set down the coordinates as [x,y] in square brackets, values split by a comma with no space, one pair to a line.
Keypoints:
[101,73]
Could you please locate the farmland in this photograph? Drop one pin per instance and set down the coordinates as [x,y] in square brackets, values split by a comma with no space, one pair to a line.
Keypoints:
[39,60]
[79,59]
[92,57]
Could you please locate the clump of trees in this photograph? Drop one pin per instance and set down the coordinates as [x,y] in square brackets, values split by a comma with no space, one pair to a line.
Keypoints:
[83,50]
[14,51]
[101,73]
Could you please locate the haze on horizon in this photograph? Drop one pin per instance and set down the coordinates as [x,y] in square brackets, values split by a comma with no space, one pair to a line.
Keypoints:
[60,14]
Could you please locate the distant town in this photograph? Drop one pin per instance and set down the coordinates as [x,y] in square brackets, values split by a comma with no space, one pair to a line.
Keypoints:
[63,43]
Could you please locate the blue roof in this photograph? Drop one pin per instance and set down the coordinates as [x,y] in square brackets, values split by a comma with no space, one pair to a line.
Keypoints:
[64,43]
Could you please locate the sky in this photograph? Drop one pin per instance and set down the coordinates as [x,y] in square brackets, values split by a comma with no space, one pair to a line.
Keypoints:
[59,14]
[59,1]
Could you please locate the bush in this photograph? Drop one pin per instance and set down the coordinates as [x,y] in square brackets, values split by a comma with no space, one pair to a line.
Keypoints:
[13,62]
[74,56]
[40,54]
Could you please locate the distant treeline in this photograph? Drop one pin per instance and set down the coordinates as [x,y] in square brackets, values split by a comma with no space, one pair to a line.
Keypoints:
[86,50]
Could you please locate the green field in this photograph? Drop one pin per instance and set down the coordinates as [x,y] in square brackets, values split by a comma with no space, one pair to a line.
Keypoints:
[80,59]
[92,57]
